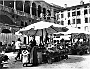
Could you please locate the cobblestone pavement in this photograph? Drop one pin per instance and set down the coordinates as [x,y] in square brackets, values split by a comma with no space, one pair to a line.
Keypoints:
[74,62]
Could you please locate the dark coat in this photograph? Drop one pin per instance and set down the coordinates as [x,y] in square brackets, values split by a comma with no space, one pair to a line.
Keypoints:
[33,43]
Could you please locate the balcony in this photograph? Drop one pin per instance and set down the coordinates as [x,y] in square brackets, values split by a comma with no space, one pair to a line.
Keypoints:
[13,11]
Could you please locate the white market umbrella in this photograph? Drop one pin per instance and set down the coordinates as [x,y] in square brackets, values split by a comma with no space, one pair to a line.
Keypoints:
[73,30]
[45,26]
[41,28]
[40,25]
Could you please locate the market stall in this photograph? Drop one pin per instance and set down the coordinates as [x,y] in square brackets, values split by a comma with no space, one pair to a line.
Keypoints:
[80,44]
[79,40]
[42,29]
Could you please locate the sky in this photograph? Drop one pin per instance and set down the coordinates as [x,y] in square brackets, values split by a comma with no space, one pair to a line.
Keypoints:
[68,2]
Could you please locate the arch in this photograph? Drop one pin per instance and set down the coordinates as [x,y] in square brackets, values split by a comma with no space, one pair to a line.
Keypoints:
[44,12]
[9,3]
[33,9]
[27,7]
[39,10]
[5,31]
[19,5]
[26,24]
[48,12]
[1,2]
[33,5]
[22,23]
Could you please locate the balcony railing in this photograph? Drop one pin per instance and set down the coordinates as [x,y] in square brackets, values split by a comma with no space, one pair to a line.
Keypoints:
[13,11]
[21,13]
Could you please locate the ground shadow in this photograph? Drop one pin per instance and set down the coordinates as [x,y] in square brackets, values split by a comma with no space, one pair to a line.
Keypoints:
[72,59]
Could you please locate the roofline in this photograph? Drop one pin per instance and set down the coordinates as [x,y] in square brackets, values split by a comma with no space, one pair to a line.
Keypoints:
[56,6]
[68,8]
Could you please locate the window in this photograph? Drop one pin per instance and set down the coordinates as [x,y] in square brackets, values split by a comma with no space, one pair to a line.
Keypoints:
[68,14]
[79,27]
[25,24]
[61,15]
[86,20]
[73,9]
[27,7]
[19,5]
[85,11]
[89,19]
[73,21]
[62,22]
[78,8]
[89,11]
[9,3]
[58,16]
[48,18]
[44,12]
[39,10]
[48,13]
[33,9]
[57,35]
[78,21]
[74,13]
[85,6]
[22,23]
[86,28]
[78,12]
[68,22]
[1,2]
[68,9]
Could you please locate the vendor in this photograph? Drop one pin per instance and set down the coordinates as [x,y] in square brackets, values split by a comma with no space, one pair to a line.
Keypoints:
[33,42]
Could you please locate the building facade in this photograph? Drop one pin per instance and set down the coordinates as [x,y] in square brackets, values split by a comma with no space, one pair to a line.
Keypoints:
[76,16]
[25,12]
[15,14]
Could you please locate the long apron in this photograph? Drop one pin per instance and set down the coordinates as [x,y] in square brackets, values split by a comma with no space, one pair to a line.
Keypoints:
[34,59]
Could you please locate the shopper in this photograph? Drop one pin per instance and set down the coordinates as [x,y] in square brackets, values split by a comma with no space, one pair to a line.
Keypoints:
[17,48]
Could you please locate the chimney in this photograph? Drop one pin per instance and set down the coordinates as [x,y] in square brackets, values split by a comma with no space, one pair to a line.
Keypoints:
[81,2]
[65,5]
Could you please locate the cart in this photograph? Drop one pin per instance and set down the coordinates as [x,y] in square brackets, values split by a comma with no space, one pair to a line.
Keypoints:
[29,56]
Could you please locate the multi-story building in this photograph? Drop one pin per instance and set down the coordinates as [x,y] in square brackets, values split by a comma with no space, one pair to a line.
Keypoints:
[25,12]
[15,14]
[76,16]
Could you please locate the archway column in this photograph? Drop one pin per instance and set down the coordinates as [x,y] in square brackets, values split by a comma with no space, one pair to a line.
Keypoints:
[3,2]
[14,4]
[31,8]
[36,11]
[23,5]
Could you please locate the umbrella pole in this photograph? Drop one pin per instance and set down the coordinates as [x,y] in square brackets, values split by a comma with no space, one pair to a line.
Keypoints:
[71,40]
[42,35]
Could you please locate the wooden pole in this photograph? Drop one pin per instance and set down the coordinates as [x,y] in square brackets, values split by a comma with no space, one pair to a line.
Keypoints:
[42,35]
